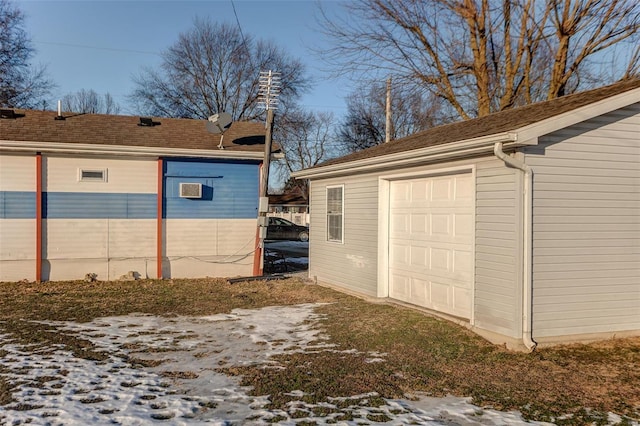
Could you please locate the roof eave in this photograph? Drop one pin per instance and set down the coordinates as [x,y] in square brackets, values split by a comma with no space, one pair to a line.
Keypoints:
[142,151]
[557,122]
[412,157]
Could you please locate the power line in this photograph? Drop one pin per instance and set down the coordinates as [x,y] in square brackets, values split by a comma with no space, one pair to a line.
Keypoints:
[112,49]
[244,40]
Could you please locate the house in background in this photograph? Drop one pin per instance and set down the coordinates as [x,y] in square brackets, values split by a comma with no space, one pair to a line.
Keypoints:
[105,195]
[291,205]
[523,225]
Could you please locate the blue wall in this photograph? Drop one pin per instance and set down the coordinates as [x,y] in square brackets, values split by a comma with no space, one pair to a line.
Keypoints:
[87,205]
[17,205]
[229,189]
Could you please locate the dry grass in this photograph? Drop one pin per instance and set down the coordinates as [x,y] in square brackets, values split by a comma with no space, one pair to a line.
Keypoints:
[423,353]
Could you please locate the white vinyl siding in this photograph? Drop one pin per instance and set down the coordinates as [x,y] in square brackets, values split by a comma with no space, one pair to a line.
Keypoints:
[17,173]
[586,228]
[62,174]
[353,264]
[18,235]
[498,249]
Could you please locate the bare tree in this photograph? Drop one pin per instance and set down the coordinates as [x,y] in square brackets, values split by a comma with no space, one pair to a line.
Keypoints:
[364,124]
[21,84]
[90,102]
[214,68]
[482,56]
[306,139]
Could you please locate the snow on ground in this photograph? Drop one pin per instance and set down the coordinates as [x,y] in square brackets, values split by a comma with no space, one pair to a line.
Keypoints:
[56,388]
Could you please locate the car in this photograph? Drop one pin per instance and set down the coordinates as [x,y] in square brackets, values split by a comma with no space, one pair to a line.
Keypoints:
[282,229]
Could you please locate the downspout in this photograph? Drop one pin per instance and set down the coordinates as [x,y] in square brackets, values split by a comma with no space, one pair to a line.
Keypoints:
[38,217]
[160,213]
[527,319]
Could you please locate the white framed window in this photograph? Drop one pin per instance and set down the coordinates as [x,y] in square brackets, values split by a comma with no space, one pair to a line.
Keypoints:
[335,213]
[92,175]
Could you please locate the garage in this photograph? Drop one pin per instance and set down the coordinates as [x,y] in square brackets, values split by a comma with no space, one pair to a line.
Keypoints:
[431,225]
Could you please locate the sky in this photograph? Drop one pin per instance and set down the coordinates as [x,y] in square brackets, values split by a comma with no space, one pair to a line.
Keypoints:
[100,45]
[181,384]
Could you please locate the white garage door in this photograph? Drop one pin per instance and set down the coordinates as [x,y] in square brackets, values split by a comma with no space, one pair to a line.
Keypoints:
[430,242]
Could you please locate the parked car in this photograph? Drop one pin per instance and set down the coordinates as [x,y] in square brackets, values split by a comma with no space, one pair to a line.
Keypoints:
[282,229]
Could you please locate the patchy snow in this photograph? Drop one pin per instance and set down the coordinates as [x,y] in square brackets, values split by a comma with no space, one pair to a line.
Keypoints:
[180,385]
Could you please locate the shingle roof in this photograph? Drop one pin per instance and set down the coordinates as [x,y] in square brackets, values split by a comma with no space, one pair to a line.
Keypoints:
[500,122]
[41,126]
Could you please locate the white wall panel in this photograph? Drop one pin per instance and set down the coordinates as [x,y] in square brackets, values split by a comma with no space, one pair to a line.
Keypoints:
[123,175]
[132,238]
[17,239]
[17,173]
[75,238]
[209,237]
[208,266]
[17,270]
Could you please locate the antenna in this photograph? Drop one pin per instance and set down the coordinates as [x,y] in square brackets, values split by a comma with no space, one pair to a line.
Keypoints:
[269,89]
[218,123]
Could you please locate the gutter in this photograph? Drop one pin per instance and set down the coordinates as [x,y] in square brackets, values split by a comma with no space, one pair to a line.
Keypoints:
[527,319]
[407,158]
[76,148]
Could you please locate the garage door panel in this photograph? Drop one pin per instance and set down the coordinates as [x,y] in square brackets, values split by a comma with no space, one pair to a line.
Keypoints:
[401,287]
[441,224]
[440,296]
[399,254]
[430,240]
[420,291]
[463,226]
[419,256]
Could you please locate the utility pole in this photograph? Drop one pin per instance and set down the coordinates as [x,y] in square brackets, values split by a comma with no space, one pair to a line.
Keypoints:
[268,96]
[387,130]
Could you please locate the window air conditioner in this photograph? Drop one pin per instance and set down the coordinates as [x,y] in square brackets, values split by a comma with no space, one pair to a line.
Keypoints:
[190,190]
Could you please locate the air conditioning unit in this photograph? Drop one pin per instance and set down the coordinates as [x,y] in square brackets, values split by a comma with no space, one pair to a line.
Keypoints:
[190,190]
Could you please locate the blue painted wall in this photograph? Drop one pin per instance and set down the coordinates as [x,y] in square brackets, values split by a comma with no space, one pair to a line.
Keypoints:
[17,205]
[229,189]
[88,205]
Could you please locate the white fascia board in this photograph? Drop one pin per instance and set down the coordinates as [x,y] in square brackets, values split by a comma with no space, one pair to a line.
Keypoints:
[142,151]
[408,158]
[533,131]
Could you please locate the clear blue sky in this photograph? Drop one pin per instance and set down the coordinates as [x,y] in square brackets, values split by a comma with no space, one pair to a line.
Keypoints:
[99,45]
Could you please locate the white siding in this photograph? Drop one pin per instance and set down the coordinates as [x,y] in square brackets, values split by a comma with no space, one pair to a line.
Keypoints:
[498,285]
[17,173]
[18,235]
[586,249]
[353,264]
[209,247]
[60,174]
[107,247]
[17,249]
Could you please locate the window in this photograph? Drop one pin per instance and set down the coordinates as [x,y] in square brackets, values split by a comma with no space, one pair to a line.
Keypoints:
[335,213]
[92,175]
